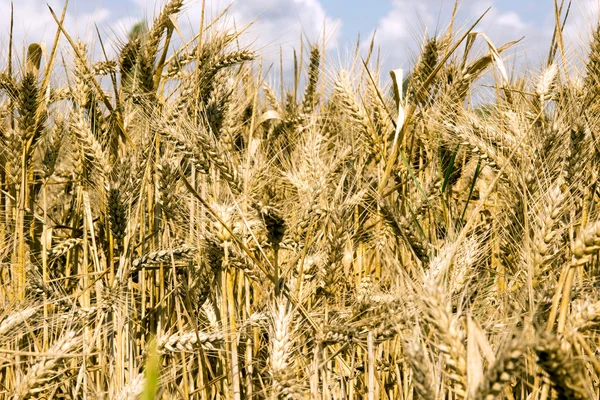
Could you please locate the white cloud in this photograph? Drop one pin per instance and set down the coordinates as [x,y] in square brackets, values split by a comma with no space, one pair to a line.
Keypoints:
[284,20]
[282,23]
[401,31]
[580,25]
[274,22]
[34,23]
[511,20]
[402,28]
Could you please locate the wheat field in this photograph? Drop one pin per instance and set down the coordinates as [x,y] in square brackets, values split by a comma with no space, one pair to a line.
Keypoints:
[175,226]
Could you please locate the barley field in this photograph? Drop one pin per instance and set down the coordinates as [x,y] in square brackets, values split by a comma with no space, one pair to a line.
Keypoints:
[174,225]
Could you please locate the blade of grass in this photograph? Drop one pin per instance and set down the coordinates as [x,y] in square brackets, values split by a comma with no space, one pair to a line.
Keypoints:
[475,176]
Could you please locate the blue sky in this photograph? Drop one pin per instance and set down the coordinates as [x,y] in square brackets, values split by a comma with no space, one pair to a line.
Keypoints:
[400,24]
